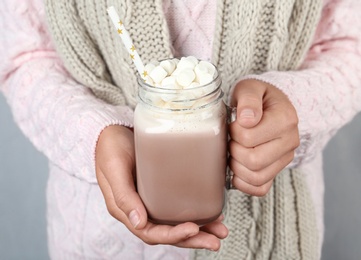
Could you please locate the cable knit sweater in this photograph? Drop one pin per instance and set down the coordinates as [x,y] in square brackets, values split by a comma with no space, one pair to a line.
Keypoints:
[63,118]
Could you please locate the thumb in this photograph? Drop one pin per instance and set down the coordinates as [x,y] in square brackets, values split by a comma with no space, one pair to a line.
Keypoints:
[122,200]
[115,166]
[248,98]
[126,197]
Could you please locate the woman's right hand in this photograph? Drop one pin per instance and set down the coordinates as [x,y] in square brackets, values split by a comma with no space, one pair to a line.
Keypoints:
[115,170]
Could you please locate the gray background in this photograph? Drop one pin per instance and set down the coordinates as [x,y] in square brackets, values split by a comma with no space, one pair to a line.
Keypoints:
[23,173]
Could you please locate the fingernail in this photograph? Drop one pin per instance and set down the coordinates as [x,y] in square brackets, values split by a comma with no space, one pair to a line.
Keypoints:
[247,113]
[134,218]
[192,233]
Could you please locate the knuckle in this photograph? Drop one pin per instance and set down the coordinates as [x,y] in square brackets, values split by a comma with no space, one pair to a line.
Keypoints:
[289,158]
[147,238]
[290,116]
[232,148]
[149,241]
[233,166]
[257,180]
[120,199]
[297,142]
[246,138]
[112,211]
[261,191]
[254,162]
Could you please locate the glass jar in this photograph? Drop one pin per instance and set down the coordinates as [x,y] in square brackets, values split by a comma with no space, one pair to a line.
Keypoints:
[181,152]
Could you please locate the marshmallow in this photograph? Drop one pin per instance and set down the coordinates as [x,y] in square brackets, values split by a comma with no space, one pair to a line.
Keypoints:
[210,67]
[176,72]
[176,61]
[167,97]
[200,69]
[197,92]
[185,63]
[149,67]
[154,62]
[168,66]
[158,74]
[192,59]
[170,83]
[193,85]
[205,78]
[185,77]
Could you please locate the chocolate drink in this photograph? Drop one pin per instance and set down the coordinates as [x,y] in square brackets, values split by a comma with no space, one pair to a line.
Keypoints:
[183,172]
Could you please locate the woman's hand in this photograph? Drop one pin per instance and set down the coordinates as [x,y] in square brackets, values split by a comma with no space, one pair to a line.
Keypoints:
[115,169]
[264,136]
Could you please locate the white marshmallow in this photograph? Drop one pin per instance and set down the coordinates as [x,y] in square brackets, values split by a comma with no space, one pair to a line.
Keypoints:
[176,72]
[154,62]
[167,97]
[209,66]
[185,63]
[192,59]
[176,61]
[168,66]
[158,74]
[205,78]
[185,77]
[200,69]
[193,85]
[170,82]
[149,67]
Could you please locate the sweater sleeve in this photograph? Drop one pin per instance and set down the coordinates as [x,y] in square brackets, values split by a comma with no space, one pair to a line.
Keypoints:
[326,90]
[62,118]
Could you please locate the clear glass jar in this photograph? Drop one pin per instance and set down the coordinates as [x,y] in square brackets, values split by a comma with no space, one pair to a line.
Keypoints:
[181,152]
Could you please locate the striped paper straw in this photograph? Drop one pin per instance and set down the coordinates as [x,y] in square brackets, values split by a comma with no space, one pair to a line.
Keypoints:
[128,43]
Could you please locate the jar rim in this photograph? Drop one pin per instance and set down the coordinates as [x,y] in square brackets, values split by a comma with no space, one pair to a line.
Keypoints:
[163,90]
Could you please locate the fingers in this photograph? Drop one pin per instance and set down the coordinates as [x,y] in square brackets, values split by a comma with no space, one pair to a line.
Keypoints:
[257,183]
[217,228]
[208,237]
[202,240]
[245,187]
[258,156]
[163,234]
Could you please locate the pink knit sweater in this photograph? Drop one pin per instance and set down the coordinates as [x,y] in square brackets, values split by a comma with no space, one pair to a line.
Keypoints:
[63,119]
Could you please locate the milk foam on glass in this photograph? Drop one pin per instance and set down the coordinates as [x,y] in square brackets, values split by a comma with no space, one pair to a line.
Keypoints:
[180,137]
[180,134]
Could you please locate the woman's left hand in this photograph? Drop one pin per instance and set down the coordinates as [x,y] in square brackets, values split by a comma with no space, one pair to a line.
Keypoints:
[263,137]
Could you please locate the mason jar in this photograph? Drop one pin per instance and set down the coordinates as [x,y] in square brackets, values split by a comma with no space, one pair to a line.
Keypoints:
[181,152]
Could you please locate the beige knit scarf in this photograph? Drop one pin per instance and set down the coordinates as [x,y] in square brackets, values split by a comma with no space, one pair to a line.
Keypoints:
[250,37]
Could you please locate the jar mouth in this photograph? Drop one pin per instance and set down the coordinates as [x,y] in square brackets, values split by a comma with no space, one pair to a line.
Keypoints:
[170,99]
[154,89]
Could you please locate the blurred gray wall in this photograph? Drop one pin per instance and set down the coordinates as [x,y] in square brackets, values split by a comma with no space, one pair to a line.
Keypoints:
[23,173]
